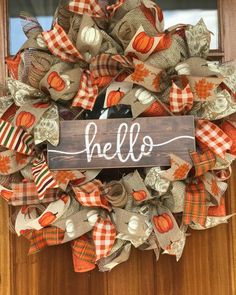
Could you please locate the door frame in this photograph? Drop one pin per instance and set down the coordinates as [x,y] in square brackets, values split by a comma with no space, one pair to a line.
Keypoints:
[227,12]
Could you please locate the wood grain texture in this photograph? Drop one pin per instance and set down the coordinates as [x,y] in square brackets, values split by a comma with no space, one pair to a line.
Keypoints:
[228,28]
[5,246]
[82,143]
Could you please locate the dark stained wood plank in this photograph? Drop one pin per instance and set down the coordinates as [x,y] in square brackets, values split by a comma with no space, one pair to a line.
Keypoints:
[47,272]
[98,283]
[119,143]
[228,28]
[207,267]
[135,276]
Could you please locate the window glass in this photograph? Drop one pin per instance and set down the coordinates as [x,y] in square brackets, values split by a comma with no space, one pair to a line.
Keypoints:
[43,9]
[181,11]
[190,12]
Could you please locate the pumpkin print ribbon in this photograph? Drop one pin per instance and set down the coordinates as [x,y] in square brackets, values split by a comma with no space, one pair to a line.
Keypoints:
[27,217]
[142,45]
[165,227]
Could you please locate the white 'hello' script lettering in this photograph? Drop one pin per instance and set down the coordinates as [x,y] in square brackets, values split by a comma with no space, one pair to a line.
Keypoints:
[124,132]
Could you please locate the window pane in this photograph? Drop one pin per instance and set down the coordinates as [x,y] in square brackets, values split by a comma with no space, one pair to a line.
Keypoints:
[181,11]
[190,12]
[43,9]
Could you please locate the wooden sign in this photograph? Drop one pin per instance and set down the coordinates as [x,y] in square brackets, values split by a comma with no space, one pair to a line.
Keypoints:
[116,143]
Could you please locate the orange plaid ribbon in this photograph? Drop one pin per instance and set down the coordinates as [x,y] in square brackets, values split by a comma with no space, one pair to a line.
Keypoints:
[60,45]
[104,235]
[203,162]
[87,93]
[40,239]
[26,193]
[213,137]
[92,194]
[83,252]
[93,9]
[195,206]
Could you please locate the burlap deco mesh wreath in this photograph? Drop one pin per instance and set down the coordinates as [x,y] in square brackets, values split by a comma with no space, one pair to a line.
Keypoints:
[78,70]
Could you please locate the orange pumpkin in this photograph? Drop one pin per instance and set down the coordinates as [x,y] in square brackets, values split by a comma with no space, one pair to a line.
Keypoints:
[149,15]
[143,43]
[155,110]
[103,81]
[41,105]
[164,43]
[163,223]
[65,198]
[25,119]
[122,77]
[114,97]
[56,82]
[13,65]
[230,130]
[139,195]
[47,218]
[6,194]
[217,210]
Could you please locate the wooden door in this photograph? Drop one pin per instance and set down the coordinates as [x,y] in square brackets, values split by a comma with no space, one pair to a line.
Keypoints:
[207,266]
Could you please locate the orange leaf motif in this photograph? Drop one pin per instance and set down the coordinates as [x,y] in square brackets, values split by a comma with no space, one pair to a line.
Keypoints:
[21,159]
[140,73]
[156,82]
[64,176]
[181,171]
[4,164]
[203,88]
[215,188]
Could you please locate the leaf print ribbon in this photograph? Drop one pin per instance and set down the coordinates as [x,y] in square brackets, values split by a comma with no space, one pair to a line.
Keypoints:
[146,76]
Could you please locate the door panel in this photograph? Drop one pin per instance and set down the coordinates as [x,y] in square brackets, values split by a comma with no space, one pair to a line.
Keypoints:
[207,266]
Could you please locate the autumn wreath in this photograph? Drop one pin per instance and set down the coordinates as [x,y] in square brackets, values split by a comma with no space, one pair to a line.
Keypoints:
[113,59]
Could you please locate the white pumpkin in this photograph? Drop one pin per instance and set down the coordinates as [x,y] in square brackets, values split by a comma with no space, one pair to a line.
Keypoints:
[144,96]
[87,56]
[40,41]
[92,217]
[133,225]
[183,69]
[90,35]
[70,229]
[66,78]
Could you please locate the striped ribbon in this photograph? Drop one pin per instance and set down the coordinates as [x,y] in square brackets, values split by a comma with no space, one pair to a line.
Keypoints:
[15,138]
[43,177]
